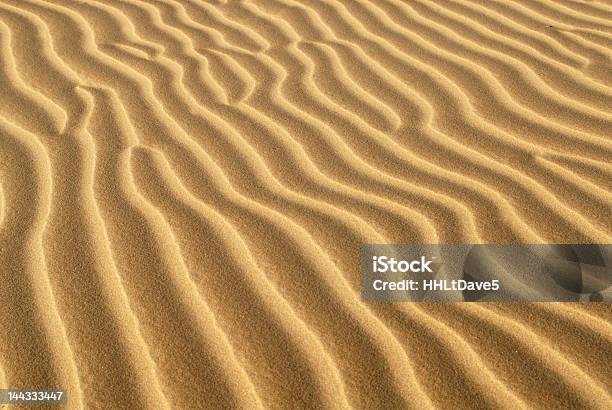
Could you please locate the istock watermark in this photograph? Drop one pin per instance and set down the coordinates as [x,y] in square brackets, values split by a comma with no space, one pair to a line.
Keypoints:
[487,272]
[389,264]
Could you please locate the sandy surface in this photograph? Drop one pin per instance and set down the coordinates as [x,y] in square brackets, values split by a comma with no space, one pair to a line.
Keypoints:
[186,185]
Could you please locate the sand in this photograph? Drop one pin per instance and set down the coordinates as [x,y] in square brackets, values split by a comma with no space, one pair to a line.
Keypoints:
[185,187]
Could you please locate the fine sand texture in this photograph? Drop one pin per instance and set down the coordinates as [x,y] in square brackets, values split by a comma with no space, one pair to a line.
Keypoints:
[185,186]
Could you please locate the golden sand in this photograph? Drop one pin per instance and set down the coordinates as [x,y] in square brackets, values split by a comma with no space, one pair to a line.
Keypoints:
[186,186]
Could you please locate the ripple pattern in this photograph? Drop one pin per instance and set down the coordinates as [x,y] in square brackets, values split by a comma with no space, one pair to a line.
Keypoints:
[185,186]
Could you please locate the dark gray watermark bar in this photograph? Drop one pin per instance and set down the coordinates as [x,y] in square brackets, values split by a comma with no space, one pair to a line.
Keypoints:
[487,272]
[31,396]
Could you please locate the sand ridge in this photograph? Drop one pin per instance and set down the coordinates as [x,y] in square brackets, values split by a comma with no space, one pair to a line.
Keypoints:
[186,185]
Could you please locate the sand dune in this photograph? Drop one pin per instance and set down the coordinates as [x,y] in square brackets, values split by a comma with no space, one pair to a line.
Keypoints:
[185,186]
